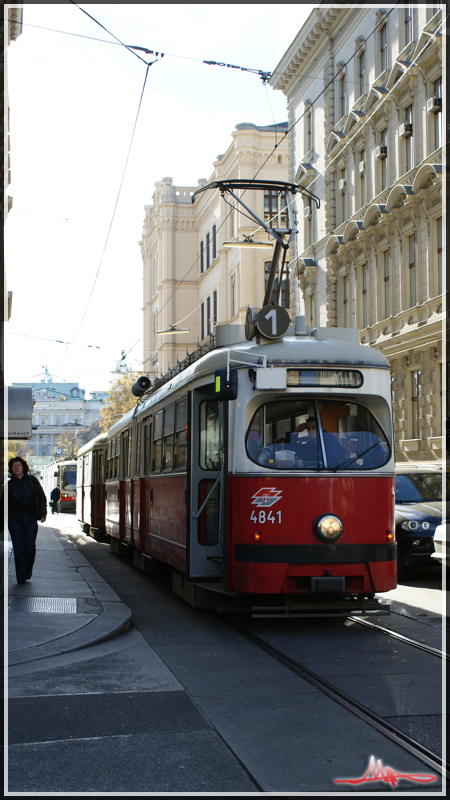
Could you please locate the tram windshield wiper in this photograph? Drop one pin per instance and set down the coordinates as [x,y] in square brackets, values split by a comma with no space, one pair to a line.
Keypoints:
[347,463]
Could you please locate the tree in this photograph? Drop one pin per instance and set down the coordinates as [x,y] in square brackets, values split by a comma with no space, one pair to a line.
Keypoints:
[18,447]
[120,400]
[69,443]
[86,435]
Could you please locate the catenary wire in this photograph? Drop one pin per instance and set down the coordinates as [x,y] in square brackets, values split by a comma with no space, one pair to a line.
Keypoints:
[286,133]
[113,214]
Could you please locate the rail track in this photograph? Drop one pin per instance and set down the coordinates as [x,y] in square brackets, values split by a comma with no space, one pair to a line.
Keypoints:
[361,711]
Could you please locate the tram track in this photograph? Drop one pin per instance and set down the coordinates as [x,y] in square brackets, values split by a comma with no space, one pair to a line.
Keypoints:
[434,651]
[397,736]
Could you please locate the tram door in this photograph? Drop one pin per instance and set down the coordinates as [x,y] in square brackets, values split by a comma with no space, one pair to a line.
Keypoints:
[205,545]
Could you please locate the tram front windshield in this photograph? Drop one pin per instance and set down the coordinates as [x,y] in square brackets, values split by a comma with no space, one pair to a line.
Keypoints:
[316,435]
[68,479]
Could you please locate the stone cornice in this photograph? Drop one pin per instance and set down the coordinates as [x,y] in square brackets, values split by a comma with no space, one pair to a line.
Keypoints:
[317,27]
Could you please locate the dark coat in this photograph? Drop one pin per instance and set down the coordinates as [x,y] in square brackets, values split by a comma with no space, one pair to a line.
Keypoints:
[55,495]
[26,498]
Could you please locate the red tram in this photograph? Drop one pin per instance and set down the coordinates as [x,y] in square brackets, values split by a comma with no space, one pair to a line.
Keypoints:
[262,471]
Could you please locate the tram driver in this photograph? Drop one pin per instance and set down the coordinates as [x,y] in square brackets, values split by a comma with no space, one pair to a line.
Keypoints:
[310,450]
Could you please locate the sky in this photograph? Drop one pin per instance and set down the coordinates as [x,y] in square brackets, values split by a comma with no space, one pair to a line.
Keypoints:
[81,179]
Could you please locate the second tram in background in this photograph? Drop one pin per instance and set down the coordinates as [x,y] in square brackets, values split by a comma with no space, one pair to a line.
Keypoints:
[261,472]
[64,475]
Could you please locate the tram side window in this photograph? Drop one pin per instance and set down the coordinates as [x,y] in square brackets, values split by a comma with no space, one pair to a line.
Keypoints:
[169,424]
[108,461]
[180,455]
[100,476]
[137,456]
[116,457]
[210,455]
[126,452]
[157,441]
[311,434]
[111,459]
[87,468]
[147,445]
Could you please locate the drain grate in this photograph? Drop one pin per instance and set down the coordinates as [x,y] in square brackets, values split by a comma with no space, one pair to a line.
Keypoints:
[48,605]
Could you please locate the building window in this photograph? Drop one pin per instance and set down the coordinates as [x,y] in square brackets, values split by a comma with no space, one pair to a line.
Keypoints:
[342,189]
[307,229]
[412,270]
[408,23]
[214,242]
[202,320]
[409,142]
[362,177]
[308,131]
[415,409]
[362,73]
[383,48]
[439,254]
[309,308]
[364,297]
[215,307]
[345,303]
[202,258]
[437,121]
[384,161]
[208,254]
[283,300]
[274,216]
[208,316]
[387,283]
[342,97]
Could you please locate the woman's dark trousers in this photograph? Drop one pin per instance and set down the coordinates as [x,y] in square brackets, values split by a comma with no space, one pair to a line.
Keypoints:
[23,536]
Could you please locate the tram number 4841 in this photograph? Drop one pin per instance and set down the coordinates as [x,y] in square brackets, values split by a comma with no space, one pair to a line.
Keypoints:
[263,516]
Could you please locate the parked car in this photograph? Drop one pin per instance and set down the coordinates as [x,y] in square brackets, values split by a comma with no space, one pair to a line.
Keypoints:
[418,511]
[441,548]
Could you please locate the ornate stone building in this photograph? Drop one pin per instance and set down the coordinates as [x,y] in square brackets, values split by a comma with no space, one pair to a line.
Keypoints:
[59,408]
[365,105]
[191,280]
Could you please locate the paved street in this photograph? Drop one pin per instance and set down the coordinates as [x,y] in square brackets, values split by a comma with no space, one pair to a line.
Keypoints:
[179,703]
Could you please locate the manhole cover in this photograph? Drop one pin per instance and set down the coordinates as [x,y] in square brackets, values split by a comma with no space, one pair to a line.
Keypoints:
[49,605]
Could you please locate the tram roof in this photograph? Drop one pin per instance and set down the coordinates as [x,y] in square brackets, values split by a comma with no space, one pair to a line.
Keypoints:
[100,439]
[292,351]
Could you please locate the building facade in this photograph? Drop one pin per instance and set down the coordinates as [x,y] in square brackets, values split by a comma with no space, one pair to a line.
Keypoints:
[191,279]
[59,408]
[365,107]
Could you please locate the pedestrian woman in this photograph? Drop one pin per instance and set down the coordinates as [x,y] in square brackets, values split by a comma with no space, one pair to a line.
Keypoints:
[26,504]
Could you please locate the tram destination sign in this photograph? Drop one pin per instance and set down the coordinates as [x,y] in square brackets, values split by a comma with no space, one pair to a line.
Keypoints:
[341,378]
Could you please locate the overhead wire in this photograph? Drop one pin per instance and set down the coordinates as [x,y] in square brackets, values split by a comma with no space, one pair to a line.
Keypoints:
[133,49]
[148,65]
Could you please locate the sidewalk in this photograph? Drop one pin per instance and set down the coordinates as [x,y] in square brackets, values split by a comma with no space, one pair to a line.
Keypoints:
[65,606]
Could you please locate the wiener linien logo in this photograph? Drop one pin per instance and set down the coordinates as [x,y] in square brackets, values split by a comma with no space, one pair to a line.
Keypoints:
[266,497]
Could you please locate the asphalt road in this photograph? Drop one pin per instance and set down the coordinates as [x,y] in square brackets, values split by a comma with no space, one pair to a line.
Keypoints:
[182,703]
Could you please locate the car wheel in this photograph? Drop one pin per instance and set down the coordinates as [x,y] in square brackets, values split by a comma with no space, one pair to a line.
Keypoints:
[402,570]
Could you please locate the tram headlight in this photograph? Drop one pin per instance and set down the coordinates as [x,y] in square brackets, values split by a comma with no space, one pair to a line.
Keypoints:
[328,528]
